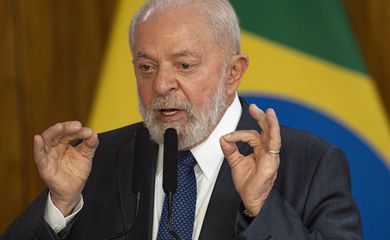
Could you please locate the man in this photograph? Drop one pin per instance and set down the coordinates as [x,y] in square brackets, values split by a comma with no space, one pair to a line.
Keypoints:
[275,183]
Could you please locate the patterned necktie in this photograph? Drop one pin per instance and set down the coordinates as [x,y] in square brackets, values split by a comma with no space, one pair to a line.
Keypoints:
[184,201]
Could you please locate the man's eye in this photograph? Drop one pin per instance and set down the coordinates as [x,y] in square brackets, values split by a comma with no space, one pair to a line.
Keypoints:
[185,66]
[145,68]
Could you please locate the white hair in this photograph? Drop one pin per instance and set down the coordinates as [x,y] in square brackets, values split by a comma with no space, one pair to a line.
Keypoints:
[220,15]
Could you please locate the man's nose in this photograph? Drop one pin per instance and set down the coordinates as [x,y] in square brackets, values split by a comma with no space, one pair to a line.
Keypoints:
[165,81]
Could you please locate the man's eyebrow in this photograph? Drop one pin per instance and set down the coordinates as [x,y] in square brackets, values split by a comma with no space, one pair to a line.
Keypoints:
[143,55]
[185,53]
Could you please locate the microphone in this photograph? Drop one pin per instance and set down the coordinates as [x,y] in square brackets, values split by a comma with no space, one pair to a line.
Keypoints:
[141,165]
[170,173]
[170,161]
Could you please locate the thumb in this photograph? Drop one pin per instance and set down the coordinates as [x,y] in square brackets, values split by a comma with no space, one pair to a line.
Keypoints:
[90,144]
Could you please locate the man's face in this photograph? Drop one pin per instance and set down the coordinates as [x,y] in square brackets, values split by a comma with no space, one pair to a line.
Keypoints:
[181,76]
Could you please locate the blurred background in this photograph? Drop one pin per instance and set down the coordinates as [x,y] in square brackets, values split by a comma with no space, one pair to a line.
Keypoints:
[68,60]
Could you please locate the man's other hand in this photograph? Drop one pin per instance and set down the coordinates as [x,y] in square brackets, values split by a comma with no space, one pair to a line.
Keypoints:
[65,168]
[255,174]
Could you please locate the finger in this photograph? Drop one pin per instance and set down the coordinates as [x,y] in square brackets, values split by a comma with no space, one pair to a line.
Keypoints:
[90,144]
[81,134]
[69,128]
[230,151]
[274,143]
[53,134]
[66,139]
[252,137]
[259,116]
[39,153]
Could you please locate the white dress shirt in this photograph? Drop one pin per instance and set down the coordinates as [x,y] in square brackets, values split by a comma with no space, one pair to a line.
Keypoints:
[54,217]
[209,159]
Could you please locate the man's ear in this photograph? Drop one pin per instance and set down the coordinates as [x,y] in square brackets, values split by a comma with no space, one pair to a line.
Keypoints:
[238,65]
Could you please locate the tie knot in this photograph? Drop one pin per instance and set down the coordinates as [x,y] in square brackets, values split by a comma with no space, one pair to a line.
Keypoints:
[187,159]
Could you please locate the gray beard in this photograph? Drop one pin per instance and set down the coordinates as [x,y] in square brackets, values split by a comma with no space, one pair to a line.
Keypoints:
[199,124]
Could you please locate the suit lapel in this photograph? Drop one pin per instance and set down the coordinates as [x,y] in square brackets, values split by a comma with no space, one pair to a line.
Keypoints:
[144,222]
[220,219]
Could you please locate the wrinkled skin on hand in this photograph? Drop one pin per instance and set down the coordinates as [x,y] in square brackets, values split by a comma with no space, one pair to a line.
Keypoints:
[65,168]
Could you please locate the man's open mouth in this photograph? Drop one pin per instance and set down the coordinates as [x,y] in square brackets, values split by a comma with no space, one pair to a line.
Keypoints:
[169,111]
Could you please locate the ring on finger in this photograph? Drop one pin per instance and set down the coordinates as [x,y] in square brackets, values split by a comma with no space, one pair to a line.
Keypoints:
[274,151]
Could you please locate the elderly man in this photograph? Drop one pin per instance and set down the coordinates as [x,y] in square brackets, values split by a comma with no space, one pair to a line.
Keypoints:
[249,178]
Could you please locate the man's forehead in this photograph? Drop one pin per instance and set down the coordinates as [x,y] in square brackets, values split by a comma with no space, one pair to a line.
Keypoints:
[172,33]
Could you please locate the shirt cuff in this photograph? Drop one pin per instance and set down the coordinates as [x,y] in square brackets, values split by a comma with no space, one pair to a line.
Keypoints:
[54,217]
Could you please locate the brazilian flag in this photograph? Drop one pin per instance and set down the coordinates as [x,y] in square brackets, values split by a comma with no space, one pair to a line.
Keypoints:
[305,63]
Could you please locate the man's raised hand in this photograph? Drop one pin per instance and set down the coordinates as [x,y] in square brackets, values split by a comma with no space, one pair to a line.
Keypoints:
[63,167]
[255,174]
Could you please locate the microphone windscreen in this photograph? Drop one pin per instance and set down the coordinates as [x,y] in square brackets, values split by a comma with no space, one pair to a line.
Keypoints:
[170,161]
[142,159]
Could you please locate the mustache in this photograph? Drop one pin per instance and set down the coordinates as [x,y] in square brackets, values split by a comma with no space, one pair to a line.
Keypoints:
[170,102]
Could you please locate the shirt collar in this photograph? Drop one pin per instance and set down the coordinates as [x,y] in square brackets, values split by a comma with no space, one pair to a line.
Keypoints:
[209,154]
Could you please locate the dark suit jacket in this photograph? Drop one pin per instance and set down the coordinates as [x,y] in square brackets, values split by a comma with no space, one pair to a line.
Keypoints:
[311,198]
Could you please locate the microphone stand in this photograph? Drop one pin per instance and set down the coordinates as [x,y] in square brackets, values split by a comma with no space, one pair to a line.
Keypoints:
[170,225]
[141,164]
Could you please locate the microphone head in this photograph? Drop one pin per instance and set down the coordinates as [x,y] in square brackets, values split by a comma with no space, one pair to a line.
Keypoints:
[170,161]
[142,159]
